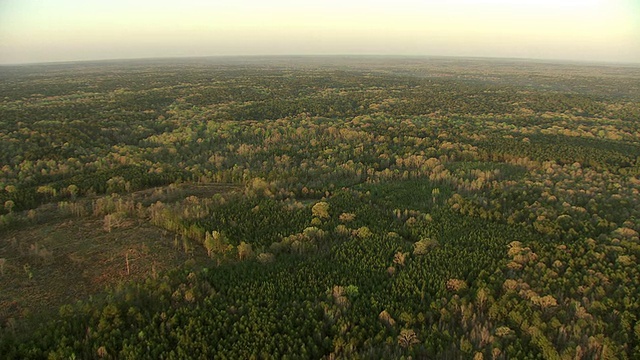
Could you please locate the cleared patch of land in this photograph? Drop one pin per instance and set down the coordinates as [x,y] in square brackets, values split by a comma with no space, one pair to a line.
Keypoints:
[65,259]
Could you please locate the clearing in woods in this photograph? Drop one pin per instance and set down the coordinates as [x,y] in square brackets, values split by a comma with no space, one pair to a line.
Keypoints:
[63,259]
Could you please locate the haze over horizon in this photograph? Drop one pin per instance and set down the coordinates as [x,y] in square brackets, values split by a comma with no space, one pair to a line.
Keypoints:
[34,31]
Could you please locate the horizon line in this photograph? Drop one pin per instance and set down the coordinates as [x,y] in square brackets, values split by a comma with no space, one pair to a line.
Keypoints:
[402,56]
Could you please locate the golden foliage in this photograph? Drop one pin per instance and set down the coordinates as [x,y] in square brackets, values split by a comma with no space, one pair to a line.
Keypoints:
[407,338]
[399,258]
[321,210]
[347,217]
[456,285]
[386,318]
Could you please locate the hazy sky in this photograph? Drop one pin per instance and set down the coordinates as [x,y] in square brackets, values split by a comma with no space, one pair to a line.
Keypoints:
[61,30]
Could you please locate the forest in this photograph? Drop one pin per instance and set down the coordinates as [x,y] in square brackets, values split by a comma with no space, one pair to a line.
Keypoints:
[320,208]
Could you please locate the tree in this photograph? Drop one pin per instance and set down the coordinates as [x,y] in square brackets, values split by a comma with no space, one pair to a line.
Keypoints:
[245,250]
[434,194]
[456,285]
[47,190]
[363,232]
[407,338]
[347,217]
[399,258]
[351,291]
[73,190]
[209,243]
[266,258]
[422,247]
[544,302]
[386,318]
[9,205]
[219,243]
[321,210]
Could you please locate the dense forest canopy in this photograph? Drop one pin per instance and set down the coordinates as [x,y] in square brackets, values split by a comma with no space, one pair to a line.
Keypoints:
[322,208]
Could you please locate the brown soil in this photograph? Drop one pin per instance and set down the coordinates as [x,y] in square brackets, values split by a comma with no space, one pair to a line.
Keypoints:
[67,259]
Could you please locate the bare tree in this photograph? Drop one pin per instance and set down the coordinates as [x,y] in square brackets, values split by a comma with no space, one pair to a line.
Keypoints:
[407,338]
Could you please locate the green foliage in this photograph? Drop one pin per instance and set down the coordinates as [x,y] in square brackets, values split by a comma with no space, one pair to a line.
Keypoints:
[421,209]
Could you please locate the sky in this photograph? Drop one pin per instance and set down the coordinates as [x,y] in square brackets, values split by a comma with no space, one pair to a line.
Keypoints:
[71,30]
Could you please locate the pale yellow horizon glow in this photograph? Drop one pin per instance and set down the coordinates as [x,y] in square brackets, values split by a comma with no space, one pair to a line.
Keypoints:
[68,30]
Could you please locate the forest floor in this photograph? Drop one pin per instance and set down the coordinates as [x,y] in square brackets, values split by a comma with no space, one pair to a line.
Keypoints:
[65,259]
